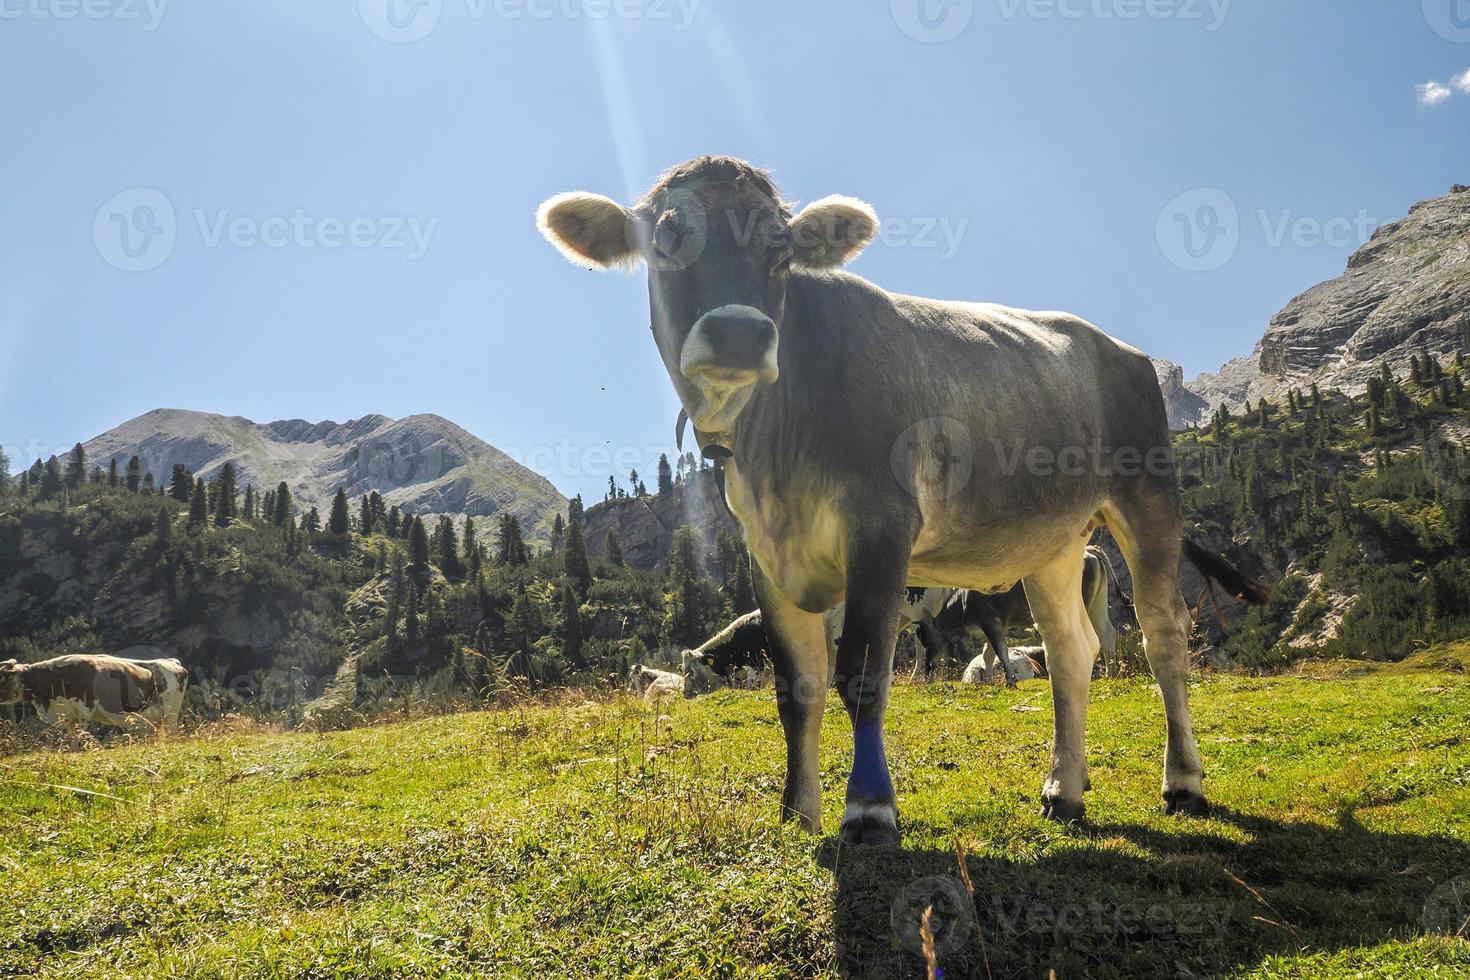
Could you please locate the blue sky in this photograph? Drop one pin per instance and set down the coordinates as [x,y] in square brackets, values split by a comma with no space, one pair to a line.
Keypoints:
[332,215]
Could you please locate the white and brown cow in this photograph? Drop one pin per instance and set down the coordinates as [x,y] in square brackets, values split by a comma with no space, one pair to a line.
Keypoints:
[873,440]
[654,683]
[86,688]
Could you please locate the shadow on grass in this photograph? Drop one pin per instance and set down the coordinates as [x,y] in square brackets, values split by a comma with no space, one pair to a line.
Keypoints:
[1135,901]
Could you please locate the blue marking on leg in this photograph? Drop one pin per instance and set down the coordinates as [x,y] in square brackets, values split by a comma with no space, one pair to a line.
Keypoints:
[870,781]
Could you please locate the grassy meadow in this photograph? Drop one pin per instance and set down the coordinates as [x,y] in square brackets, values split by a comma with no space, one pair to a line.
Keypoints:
[613,838]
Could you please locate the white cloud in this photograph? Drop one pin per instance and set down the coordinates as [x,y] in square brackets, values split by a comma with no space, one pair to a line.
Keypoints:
[1462,81]
[1433,93]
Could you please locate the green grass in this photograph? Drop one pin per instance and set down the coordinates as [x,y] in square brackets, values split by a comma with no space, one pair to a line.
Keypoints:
[603,839]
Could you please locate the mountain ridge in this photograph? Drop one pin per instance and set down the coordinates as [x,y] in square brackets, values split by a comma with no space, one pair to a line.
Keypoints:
[424,463]
[1405,292]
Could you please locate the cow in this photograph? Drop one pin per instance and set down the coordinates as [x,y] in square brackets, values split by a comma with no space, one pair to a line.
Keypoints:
[971,614]
[1024,663]
[870,440]
[654,683]
[84,688]
[744,642]
[920,607]
[719,661]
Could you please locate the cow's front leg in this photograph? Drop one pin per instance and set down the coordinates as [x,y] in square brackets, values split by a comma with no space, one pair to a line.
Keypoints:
[875,580]
[799,656]
[1055,596]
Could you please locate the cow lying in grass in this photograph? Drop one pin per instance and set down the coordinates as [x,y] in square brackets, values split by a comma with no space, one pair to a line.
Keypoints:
[92,688]
[654,683]
[871,440]
[1024,664]
[986,618]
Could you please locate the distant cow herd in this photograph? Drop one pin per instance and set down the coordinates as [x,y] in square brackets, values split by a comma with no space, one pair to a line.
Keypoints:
[737,655]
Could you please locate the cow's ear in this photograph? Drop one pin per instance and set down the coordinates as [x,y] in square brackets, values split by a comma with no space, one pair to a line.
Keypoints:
[592,231]
[831,232]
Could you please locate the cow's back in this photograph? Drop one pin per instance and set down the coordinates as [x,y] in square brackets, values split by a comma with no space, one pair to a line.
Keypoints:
[1005,425]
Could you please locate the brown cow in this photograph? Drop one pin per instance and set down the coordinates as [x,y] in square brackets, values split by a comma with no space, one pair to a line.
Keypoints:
[93,688]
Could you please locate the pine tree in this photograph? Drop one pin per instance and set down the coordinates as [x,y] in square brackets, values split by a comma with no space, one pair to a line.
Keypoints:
[395,599]
[446,543]
[365,516]
[76,467]
[6,486]
[471,547]
[418,546]
[742,595]
[250,502]
[224,505]
[112,478]
[148,486]
[284,511]
[412,626]
[558,532]
[571,628]
[614,548]
[1416,373]
[511,546]
[665,475]
[1316,397]
[199,504]
[163,530]
[340,522]
[395,522]
[52,480]
[135,474]
[688,616]
[575,563]
[311,521]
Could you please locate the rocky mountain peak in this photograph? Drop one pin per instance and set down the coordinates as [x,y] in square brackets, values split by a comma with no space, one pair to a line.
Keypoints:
[423,463]
[1407,291]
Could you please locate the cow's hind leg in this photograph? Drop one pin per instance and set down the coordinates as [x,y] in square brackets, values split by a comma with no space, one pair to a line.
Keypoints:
[875,579]
[1147,529]
[995,632]
[799,655]
[1055,596]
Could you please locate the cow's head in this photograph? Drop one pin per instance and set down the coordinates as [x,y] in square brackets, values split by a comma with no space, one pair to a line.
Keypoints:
[10,686]
[700,676]
[719,244]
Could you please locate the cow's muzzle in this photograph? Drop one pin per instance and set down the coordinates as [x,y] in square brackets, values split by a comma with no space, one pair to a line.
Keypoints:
[731,347]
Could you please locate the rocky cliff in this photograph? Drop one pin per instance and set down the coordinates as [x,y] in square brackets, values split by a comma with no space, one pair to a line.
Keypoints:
[646,525]
[1405,292]
[423,463]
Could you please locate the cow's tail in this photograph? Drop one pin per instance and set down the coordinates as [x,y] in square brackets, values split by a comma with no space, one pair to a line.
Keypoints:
[1219,571]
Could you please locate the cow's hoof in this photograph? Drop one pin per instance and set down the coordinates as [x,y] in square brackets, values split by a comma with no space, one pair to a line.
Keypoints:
[1063,811]
[870,826]
[1185,803]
